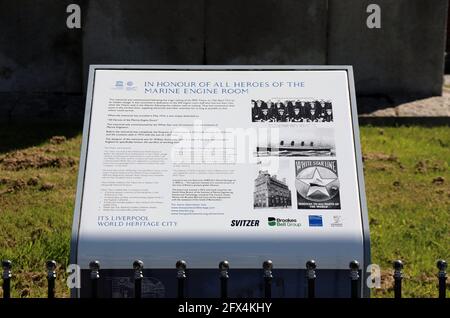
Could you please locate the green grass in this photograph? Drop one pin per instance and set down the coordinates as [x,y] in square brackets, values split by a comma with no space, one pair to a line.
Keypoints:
[35,225]
[409,213]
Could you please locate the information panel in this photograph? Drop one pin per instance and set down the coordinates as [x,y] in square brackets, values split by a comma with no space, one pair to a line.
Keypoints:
[212,163]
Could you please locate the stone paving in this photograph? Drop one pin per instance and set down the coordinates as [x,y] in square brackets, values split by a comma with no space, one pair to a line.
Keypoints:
[438,106]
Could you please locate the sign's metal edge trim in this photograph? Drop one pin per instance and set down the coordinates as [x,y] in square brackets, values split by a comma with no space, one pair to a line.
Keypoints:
[87,122]
[361,184]
[81,175]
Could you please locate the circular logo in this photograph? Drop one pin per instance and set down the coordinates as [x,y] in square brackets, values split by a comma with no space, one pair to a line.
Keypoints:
[317,184]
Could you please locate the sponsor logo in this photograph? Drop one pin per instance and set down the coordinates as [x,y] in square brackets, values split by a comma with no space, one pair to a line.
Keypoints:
[118,85]
[282,222]
[272,221]
[121,85]
[131,86]
[235,223]
[337,221]
[315,220]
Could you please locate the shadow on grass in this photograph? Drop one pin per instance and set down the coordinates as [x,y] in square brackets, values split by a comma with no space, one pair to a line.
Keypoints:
[404,121]
[19,136]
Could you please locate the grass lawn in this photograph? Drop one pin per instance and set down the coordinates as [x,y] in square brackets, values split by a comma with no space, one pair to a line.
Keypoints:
[407,183]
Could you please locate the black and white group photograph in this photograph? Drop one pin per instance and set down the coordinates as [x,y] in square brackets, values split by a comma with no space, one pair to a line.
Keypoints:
[296,142]
[296,111]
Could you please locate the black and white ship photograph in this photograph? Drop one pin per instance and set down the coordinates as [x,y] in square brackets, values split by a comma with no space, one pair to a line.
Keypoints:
[294,111]
[296,142]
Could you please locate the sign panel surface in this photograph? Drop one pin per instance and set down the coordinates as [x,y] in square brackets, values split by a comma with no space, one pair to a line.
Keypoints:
[212,164]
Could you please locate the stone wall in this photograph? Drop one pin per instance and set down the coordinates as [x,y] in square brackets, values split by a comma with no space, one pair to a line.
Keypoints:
[404,57]
[43,65]
[266,32]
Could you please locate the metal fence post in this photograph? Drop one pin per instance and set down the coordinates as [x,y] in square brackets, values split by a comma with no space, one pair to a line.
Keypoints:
[7,265]
[138,265]
[94,266]
[311,278]
[354,277]
[181,277]
[442,276]
[398,276]
[51,278]
[267,267]
[223,267]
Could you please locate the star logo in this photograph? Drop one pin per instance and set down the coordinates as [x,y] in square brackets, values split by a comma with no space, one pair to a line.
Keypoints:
[317,183]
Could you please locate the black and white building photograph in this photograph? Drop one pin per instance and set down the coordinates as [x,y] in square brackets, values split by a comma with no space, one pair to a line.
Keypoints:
[295,111]
[296,142]
[271,188]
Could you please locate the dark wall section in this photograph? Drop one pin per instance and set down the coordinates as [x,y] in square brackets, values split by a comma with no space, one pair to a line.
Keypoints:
[266,32]
[37,51]
[404,57]
[143,32]
[43,64]
[40,62]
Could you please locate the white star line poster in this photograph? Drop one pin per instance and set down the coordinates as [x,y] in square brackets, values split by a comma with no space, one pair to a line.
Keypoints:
[317,184]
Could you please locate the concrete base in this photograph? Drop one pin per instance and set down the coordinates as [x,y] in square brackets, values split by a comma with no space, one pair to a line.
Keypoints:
[143,32]
[266,32]
[404,57]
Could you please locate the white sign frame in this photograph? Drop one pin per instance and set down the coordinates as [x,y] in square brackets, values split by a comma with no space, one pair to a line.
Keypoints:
[355,132]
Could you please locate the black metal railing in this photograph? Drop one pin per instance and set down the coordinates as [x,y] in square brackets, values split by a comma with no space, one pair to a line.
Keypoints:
[224,266]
